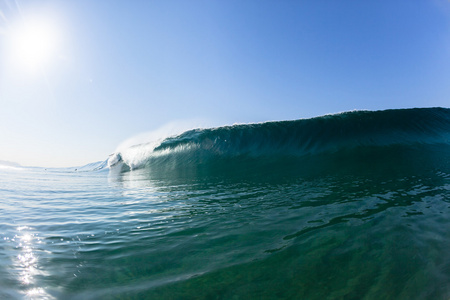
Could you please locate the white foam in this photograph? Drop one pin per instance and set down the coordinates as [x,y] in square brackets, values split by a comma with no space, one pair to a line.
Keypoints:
[135,150]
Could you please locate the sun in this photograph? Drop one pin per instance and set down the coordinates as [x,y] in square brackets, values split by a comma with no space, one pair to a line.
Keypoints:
[33,43]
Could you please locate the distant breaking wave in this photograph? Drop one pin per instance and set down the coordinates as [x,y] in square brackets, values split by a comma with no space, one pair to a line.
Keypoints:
[341,140]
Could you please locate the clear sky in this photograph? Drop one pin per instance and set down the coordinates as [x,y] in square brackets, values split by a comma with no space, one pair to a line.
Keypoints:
[78,77]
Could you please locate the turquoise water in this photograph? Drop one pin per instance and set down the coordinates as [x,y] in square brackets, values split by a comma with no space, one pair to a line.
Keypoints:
[349,206]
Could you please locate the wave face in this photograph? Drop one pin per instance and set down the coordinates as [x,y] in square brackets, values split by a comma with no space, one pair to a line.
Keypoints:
[339,141]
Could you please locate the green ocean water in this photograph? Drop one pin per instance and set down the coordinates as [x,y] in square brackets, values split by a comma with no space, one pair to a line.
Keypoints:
[348,206]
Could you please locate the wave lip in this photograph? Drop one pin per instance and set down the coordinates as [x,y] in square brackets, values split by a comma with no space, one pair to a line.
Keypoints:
[329,137]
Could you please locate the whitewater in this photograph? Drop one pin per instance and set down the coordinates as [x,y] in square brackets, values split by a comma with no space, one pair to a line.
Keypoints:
[354,205]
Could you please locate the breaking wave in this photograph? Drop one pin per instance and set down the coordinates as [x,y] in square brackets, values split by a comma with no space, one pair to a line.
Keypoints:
[349,140]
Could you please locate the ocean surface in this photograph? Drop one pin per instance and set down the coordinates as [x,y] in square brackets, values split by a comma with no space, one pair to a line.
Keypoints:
[353,205]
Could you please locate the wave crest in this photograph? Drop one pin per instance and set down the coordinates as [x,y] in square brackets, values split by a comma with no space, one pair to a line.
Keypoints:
[329,137]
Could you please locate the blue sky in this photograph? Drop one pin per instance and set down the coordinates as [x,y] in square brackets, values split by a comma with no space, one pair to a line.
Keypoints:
[104,71]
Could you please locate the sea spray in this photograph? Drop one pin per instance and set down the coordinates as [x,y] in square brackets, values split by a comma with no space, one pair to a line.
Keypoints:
[140,146]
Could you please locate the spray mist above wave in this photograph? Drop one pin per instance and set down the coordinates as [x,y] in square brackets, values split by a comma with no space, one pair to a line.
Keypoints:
[286,140]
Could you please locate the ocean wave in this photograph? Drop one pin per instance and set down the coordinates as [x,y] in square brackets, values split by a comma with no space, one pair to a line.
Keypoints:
[329,138]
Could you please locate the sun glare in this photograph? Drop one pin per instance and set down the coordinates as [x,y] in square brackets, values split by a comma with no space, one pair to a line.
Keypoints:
[33,43]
